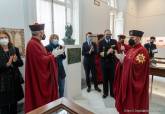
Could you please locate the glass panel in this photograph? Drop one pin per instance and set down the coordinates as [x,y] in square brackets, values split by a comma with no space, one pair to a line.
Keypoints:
[44,16]
[61,111]
[112,22]
[69,20]
[112,3]
[69,2]
[61,0]
[59,20]
[61,17]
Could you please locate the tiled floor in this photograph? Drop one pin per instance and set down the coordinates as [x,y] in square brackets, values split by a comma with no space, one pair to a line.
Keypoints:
[93,101]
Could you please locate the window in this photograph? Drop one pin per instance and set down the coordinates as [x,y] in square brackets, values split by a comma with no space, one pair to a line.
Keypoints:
[113,10]
[59,20]
[112,18]
[44,15]
[55,14]
[116,19]
[112,3]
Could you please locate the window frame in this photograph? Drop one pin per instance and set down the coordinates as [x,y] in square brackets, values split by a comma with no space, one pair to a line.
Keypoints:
[53,21]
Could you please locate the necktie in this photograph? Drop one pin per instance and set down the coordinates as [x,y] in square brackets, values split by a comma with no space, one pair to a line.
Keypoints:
[89,43]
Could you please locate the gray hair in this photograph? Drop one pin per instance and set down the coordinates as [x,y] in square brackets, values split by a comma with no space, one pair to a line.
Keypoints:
[34,33]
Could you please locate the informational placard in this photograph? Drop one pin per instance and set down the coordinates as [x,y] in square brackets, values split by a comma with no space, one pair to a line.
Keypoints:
[74,55]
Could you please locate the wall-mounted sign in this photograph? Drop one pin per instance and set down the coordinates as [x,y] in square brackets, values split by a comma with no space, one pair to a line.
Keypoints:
[74,55]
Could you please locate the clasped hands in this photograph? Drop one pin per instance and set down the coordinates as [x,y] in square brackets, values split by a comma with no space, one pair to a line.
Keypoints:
[110,51]
[58,51]
[12,59]
[120,57]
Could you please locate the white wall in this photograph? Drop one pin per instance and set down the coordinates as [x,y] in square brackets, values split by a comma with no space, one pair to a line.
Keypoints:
[151,17]
[30,16]
[17,14]
[93,18]
[11,14]
[130,17]
[145,15]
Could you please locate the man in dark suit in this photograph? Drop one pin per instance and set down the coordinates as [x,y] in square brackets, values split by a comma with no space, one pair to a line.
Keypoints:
[151,47]
[89,52]
[107,48]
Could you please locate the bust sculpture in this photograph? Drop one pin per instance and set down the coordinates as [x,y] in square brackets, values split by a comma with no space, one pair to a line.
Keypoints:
[68,35]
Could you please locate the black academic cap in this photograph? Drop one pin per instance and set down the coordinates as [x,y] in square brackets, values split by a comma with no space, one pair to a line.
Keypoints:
[152,37]
[121,36]
[37,27]
[136,33]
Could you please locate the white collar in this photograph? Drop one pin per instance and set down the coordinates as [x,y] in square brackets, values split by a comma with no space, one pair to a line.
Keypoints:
[107,40]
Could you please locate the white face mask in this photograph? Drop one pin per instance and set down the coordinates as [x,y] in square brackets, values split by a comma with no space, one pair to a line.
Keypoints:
[55,42]
[4,41]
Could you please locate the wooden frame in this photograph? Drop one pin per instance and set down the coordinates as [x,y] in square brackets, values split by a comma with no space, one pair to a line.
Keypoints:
[62,103]
[17,38]
[157,71]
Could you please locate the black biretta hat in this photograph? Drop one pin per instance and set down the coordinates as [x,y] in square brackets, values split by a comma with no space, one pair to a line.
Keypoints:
[121,36]
[136,33]
[37,27]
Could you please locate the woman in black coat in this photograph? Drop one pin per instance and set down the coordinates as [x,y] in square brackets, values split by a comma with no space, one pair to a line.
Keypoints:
[10,77]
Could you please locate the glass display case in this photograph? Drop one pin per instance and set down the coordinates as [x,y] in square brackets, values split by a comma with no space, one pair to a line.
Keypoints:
[61,106]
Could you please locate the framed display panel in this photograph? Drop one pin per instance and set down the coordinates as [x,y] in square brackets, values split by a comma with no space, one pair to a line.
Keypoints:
[74,55]
[61,106]
[17,38]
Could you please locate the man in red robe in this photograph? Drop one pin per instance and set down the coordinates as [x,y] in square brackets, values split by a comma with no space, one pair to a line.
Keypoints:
[121,46]
[133,96]
[40,72]
[122,49]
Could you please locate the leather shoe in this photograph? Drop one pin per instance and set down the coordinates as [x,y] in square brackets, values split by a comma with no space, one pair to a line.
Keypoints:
[104,96]
[88,90]
[98,89]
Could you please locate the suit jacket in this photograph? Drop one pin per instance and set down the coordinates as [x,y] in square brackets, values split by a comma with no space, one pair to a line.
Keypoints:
[104,47]
[85,52]
[150,47]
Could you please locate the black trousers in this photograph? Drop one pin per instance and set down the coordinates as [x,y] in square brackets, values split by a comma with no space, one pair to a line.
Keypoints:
[108,69]
[90,67]
[9,109]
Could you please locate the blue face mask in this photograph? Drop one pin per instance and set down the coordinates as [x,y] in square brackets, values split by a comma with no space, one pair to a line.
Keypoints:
[89,39]
[55,42]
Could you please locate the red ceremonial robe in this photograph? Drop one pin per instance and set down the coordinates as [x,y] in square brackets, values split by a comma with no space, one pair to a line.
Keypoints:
[99,69]
[133,96]
[118,69]
[117,79]
[40,76]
